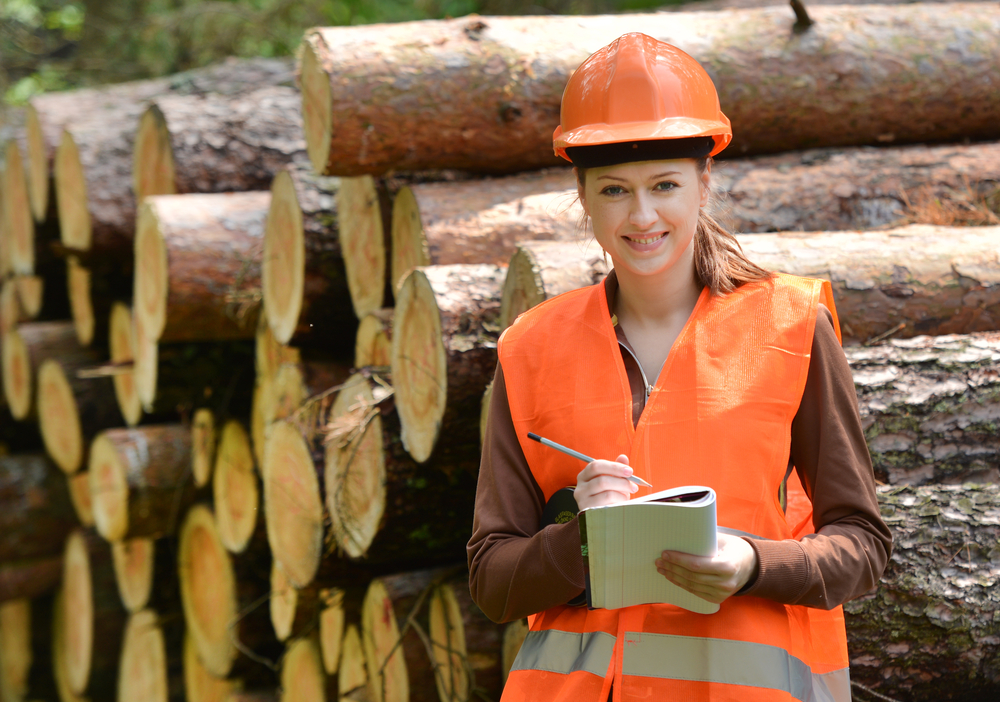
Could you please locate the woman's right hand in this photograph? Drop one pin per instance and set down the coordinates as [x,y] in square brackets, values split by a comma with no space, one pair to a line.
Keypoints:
[604,483]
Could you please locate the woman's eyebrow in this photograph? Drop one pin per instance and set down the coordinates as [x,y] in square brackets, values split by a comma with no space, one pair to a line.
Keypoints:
[654,177]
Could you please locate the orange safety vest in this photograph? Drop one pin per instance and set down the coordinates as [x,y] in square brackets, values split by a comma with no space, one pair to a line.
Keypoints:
[720,414]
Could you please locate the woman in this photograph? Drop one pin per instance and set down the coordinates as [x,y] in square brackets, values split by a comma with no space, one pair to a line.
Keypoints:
[690,365]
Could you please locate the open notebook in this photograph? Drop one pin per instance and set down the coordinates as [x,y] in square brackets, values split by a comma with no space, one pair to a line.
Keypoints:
[621,543]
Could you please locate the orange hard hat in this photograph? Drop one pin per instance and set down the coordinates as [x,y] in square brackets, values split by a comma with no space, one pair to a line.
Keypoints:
[635,91]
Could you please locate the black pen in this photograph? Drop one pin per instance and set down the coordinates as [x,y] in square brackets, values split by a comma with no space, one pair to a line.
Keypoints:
[576,454]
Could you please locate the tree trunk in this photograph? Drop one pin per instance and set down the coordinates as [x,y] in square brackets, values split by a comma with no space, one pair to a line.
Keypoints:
[26,650]
[24,349]
[543,269]
[211,143]
[94,617]
[222,597]
[366,93]
[305,284]
[929,406]
[443,355]
[140,482]
[197,260]
[37,515]
[29,579]
[929,631]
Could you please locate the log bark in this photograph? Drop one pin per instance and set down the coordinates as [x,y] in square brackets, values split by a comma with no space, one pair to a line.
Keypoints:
[234,488]
[23,350]
[37,515]
[140,482]
[211,143]
[929,631]
[222,597]
[94,617]
[26,650]
[366,93]
[444,335]
[304,281]
[29,579]
[930,406]
[197,261]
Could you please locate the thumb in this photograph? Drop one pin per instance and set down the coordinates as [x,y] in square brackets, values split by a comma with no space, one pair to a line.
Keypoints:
[622,458]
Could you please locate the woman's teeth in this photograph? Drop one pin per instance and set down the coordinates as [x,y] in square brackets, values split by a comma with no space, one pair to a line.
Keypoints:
[647,240]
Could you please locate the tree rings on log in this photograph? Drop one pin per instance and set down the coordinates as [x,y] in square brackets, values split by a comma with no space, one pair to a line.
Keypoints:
[234,488]
[142,674]
[18,225]
[199,684]
[302,676]
[444,351]
[75,227]
[362,242]
[23,350]
[447,636]
[203,440]
[139,480]
[153,170]
[79,494]
[30,293]
[384,658]
[36,154]
[542,269]
[293,503]
[352,674]
[133,560]
[121,343]
[197,266]
[37,516]
[283,266]
[331,628]
[373,342]
[317,107]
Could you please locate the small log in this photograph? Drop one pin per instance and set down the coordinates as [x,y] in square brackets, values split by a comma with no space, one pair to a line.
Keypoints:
[29,579]
[203,442]
[140,481]
[928,631]
[60,671]
[294,613]
[199,684]
[373,342]
[211,143]
[79,495]
[94,617]
[26,650]
[30,294]
[929,406]
[234,488]
[72,410]
[17,224]
[151,650]
[23,350]
[361,203]
[443,355]
[352,676]
[39,182]
[331,629]
[304,283]
[134,563]
[10,307]
[197,266]
[385,658]
[302,675]
[481,221]
[544,269]
[37,516]
[121,344]
[223,598]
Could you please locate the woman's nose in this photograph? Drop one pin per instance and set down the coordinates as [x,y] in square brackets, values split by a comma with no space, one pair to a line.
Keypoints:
[642,214]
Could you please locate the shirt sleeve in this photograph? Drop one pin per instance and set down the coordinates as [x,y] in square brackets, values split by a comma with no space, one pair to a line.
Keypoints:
[515,569]
[851,546]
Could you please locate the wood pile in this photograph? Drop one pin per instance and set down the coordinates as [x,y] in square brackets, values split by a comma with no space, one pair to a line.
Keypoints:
[247,330]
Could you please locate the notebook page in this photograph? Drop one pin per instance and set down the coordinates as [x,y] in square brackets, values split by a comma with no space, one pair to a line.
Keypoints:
[614,556]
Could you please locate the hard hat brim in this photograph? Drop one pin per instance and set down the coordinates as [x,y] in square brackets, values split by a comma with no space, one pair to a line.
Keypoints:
[671,128]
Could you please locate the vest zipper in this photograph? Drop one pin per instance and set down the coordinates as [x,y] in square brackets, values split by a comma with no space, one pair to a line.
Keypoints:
[649,388]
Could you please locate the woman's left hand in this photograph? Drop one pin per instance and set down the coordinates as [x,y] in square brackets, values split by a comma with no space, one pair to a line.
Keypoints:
[712,579]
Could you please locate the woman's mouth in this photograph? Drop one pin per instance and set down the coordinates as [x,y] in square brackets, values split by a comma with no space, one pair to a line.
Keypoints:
[647,239]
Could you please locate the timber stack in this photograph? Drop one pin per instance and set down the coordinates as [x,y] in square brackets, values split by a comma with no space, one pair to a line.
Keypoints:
[249,318]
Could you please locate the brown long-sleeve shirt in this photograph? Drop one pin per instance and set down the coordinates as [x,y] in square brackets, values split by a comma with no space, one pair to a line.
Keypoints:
[517,569]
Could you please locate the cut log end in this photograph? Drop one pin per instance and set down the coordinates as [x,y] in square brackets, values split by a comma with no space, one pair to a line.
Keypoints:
[153,171]
[383,656]
[283,266]
[149,296]
[30,292]
[71,196]
[234,486]
[208,587]
[409,246]
[59,418]
[60,670]
[133,563]
[372,345]
[302,676]
[284,601]
[122,347]
[447,634]
[317,111]
[17,375]
[79,495]
[362,242]
[419,365]
[78,624]
[331,628]
[294,509]
[10,306]
[352,677]
[146,365]
[142,673]
[80,304]
[15,648]
[109,490]
[288,391]
[355,469]
[202,446]
[38,160]
[199,684]
[522,289]
[18,223]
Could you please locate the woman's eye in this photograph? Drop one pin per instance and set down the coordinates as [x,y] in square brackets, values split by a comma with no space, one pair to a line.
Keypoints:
[613,190]
[666,185]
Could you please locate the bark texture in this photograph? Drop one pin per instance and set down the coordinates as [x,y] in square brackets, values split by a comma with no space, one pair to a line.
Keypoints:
[37,515]
[493,85]
[929,631]
[29,579]
[930,408]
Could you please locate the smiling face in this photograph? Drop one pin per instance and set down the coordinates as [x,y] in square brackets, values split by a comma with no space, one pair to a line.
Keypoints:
[645,214]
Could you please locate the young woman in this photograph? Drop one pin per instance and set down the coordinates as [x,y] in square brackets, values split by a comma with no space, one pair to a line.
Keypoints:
[687,365]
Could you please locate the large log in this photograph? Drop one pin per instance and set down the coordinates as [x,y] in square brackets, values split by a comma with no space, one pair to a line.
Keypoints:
[929,630]
[37,515]
[211,143]
[413,96]
[304,283]
[140,482]
[444,333]
[930,406]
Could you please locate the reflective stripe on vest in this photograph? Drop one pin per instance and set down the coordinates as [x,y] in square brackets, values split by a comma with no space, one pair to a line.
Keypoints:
[683,658]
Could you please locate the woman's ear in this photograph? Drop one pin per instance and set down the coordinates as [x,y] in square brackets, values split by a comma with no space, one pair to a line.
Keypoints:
[706,183]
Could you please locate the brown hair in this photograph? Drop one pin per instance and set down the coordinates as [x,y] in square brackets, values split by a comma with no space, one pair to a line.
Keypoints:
[719,261]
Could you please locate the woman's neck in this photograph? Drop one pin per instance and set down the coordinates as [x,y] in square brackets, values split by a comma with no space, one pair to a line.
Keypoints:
[652,301]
